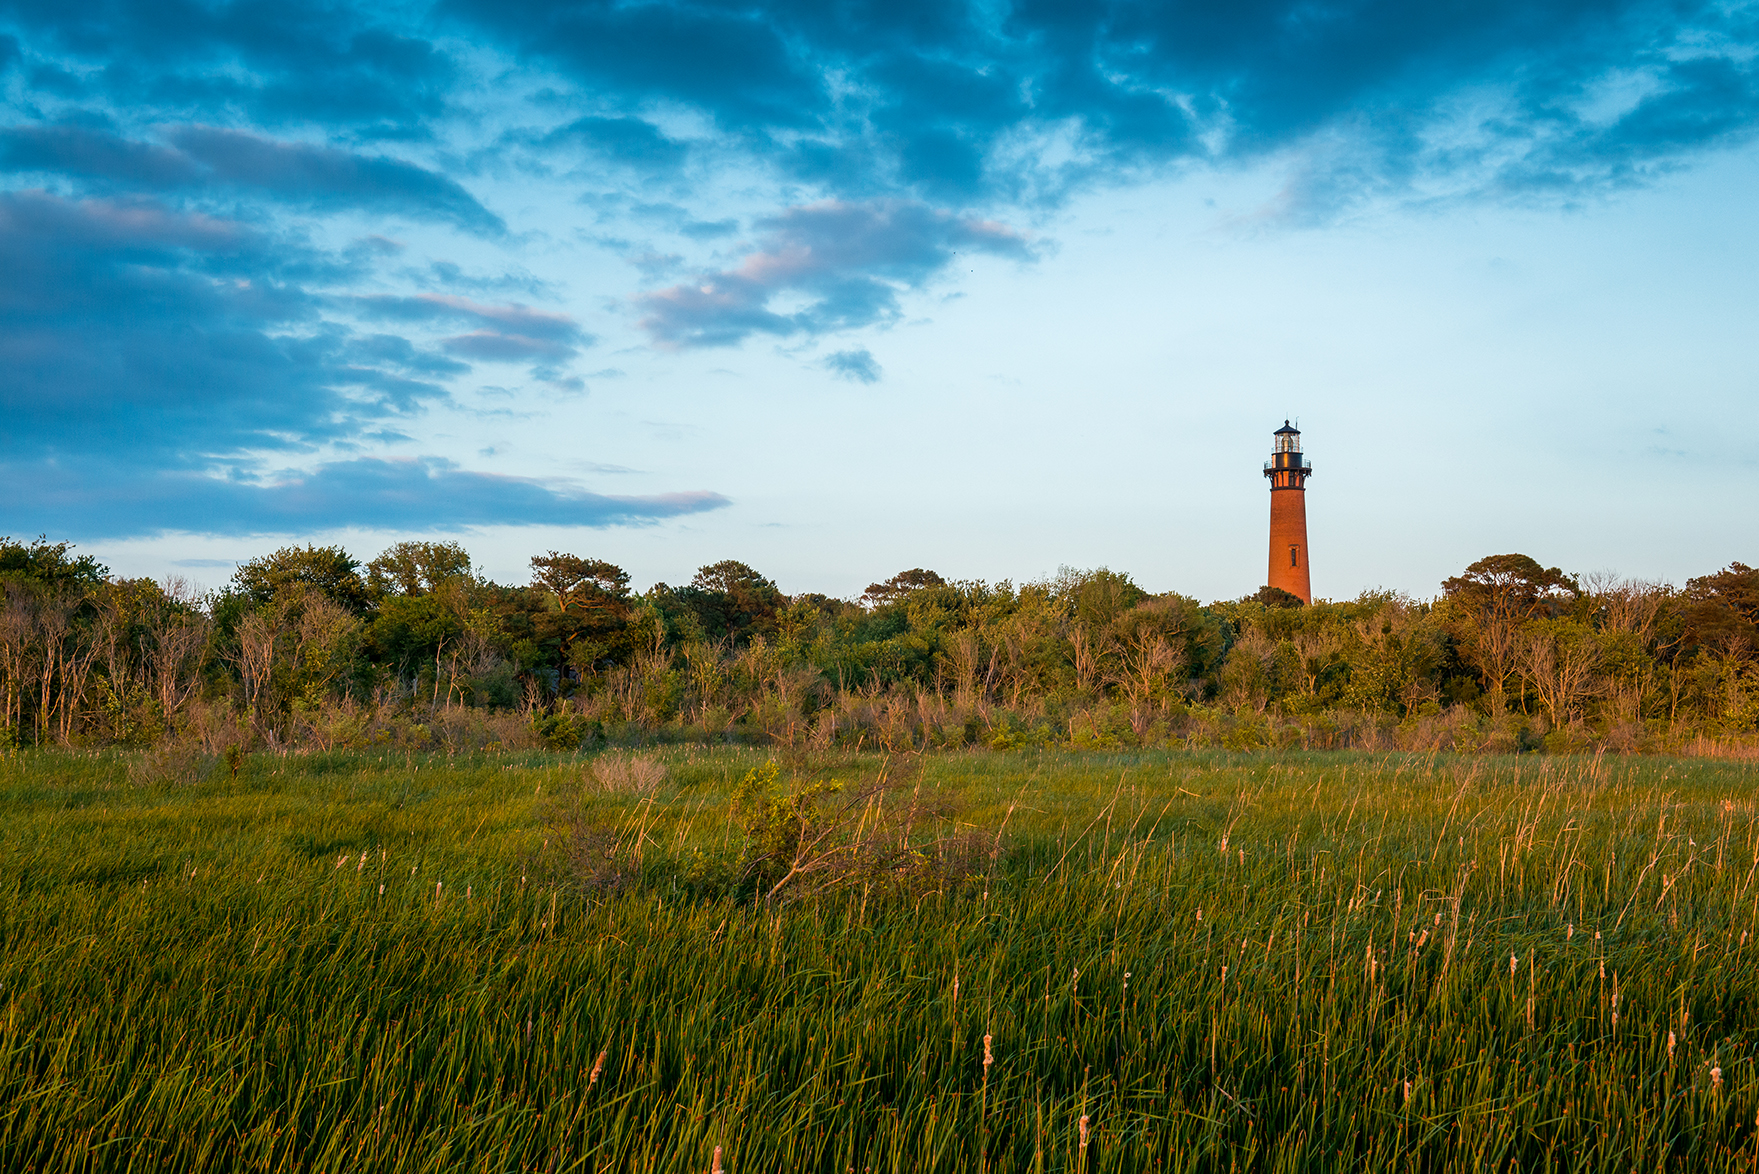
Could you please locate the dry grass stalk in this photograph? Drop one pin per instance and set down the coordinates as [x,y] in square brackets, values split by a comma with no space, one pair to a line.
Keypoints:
[628,773]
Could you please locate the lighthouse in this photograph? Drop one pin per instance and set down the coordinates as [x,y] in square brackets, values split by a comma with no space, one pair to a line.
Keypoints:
[1288,471]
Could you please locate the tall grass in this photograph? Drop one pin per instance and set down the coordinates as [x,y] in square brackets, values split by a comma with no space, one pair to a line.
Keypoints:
[1277,962]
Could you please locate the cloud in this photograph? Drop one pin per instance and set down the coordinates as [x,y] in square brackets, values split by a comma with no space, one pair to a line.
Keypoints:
[857,366]
[320,178]
[736,65]
[964,103]
[416,494]
[633,141]
[509,333]
[335,64]
[847,259]
[958,104]
[493,346]
[159,338]
[155,360]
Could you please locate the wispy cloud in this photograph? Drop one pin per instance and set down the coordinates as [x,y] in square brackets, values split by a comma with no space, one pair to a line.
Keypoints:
[416,494]
[506,333]
[201,157]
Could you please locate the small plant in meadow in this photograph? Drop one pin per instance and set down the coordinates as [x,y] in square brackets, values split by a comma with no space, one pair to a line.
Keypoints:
[172,763]
[628,773]
[816,837]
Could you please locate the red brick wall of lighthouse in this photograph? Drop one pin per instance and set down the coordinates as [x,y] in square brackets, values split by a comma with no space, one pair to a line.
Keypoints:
[1288,540]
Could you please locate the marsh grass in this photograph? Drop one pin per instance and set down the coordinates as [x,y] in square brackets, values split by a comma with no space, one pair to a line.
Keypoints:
[348,962]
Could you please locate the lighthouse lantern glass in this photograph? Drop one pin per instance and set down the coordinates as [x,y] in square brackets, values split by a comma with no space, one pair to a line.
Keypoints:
[1288,442]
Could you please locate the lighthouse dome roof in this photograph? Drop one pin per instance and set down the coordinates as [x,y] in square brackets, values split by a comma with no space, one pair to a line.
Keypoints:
[1287,427]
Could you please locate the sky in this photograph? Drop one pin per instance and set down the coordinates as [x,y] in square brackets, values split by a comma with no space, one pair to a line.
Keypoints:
[843,288]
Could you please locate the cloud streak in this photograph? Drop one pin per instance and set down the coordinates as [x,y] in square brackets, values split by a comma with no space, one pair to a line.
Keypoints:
[208,158]
[511,333]
[417,494]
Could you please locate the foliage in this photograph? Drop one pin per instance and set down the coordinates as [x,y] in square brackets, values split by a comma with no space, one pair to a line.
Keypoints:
[327,570]
[49,564]
[308,651]
[416,568]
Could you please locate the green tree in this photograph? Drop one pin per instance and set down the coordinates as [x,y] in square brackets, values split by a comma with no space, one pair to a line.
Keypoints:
[733,601]
[1494,597]
[589,625]
[900,585]
[1722,609]
[1276,597]
[328,570]
[416,568]
[50,564]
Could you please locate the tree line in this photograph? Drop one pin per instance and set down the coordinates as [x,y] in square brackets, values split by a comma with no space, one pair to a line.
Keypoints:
[416,648]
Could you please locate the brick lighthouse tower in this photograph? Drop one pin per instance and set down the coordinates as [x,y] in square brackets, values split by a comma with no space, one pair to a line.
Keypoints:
[1288,471]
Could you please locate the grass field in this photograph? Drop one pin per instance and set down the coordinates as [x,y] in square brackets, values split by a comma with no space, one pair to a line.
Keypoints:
[1179,961]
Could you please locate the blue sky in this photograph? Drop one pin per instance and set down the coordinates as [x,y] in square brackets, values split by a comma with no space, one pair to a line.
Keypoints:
[842,288]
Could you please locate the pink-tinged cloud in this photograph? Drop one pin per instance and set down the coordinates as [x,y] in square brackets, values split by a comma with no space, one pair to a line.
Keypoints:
[850,257]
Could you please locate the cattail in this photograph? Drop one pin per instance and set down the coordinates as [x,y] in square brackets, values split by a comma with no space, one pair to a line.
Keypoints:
[1407,1090]
[1200,913]
[1569,931]
[988,1056]
[598,1066]
[1670,1045]
[1438,919]
[955,990]
[1717,1071]
[1513,962]
[381,890]
[1716,1078]
[716,1167]
[438,885]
